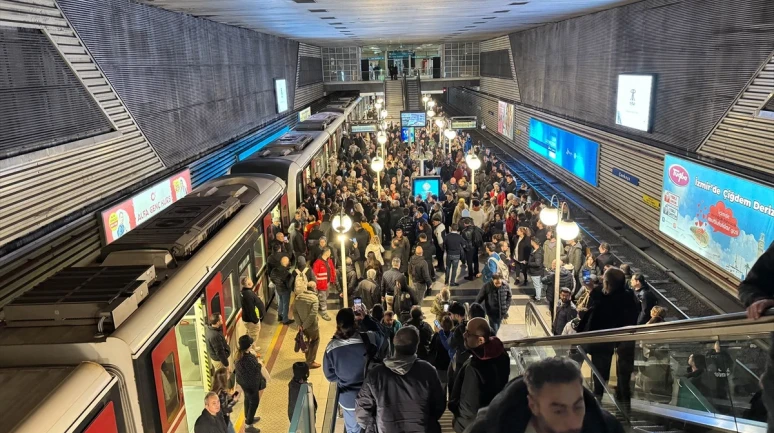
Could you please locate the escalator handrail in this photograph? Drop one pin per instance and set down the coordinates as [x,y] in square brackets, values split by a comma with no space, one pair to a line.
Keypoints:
[541,320]
[720,325]
[604,383]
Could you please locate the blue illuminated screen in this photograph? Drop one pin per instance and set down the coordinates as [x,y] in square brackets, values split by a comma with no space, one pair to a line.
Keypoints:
[428,184]
[572,152]
[413,119]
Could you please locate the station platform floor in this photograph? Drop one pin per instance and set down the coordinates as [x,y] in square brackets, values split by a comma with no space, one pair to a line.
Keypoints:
[278,355]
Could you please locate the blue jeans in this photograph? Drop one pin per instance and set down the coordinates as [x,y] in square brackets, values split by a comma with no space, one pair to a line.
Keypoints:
[231,427]
[283,304]
[452,264]
[350,421]
[494,323]
[538,286]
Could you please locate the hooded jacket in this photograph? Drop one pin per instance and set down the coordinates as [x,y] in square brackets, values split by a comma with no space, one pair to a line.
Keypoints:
[425,337]
[481,378]
[509,413]
[496,300]
[549,252]
[305,310]
[402,396]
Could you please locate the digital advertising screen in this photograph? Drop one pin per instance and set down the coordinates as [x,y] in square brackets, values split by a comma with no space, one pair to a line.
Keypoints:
[281,94]
[505,119]
[125,216]
[576,154]
[368,127]
[407,134]
[724,218]
[410,119]
[425,185]
[463,123]
[633,104]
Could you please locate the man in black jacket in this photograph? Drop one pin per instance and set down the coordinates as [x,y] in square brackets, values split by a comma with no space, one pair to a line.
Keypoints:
[280,276]
[419,273]
[474,238]
[217,346]
[757,294]
[455,246]
[565,312]
[645,296]
[495,296]
[211,420]
[404,395]
[425,331]
[482,376]
[549,398]
[392,279]
[253,310]
[605,258]
[428,251]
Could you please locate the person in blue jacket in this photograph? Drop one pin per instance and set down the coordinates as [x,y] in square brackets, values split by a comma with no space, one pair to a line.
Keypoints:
[345,363]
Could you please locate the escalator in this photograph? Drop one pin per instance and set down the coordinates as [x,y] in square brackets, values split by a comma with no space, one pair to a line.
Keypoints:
[731,349]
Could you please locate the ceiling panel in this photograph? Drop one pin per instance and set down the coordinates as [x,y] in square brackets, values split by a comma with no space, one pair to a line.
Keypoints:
[386,21]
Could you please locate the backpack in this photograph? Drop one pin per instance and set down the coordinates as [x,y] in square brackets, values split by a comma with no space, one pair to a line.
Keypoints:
[502,269]
[404,305]
[477,237]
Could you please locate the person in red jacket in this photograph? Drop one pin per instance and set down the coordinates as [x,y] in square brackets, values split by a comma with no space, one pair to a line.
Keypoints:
[325,272]
[311,225]
[498,195]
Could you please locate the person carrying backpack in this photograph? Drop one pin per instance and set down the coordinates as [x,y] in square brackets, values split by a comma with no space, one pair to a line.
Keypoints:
[403,301]
[495,296]
[494,264]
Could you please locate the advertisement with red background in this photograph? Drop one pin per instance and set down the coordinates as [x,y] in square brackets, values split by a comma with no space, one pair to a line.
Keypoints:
[125,216]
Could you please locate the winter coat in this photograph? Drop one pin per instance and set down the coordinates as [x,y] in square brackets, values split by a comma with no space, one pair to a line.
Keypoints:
[522,248]
[404,395]
[509,413]
[344,363]
[496,301]
[281,279]
[455,244]
[425,336]
[490,268]
[377,250]
[369,292]
[647,300]
[325,273]
[217,346]
[208,423]
[564,314]
[479,380]
[609,311]
[575,257]
[389,279]
[549,253]
[535,265]
[305,310]
[428,251]
[418,271]
[249,372]
[437,307]
[253,308]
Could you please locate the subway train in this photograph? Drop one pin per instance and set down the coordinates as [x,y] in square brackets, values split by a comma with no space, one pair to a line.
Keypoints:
[304,153]
[118,345]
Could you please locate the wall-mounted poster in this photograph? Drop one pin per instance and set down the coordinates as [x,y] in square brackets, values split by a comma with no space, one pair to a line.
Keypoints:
[724,218]
[281,94]
[633,103]
[505,119]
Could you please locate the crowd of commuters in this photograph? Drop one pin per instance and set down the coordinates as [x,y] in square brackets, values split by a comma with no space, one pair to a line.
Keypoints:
[396,372]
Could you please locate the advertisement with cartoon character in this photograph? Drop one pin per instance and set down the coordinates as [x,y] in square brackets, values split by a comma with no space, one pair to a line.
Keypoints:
[125,216]
[724,218]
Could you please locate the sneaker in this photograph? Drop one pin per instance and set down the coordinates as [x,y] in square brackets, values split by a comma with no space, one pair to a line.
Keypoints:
[255,421]
[288,322]
[325,316]
[314,365]
[454,284]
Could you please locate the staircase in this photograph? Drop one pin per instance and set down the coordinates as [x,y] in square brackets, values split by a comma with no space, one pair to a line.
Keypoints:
[414,92]
[393,96]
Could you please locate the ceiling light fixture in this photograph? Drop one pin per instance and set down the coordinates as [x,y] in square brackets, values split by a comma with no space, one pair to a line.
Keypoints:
[500,12]
[305,1]
[489,18]
[518,3]
[327,18]
[317,11]
[335,24]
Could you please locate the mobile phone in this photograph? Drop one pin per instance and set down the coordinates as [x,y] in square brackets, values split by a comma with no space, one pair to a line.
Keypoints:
[445,308]
[438,324]
[357,302]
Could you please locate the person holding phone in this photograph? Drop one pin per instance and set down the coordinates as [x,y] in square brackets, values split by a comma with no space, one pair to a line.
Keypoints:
[441,304]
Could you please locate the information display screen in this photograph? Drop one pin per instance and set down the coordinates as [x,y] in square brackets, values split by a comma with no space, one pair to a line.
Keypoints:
[463,123]
[125,216]
[281,94]
[425,185]
[576,154]
[633,105]
[724,218]
[371,127]
[410,119]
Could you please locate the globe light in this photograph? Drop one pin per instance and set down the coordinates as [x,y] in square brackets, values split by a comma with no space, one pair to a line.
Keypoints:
[439,123]
[430,113]
[567,230]
[384,114]
[425,99]
[549,216]
[380,101]
[378,105]
[384,124]
[450,134]
[431,103]
[473,162]
[377,164]
[381,137]
[342,223]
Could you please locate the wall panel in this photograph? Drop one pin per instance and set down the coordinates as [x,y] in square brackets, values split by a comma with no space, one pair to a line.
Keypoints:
[191,83]
[504,88]
[305,94]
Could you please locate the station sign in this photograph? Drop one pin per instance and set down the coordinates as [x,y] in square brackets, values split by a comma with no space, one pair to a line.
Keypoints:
[463,123]
[634,180]
[125,216]
[367,127]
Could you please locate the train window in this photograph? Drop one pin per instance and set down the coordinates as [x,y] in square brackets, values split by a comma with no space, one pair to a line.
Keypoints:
[246,271]
[215,306]
[300,186]
[229,296]
[259,252]
[169,387]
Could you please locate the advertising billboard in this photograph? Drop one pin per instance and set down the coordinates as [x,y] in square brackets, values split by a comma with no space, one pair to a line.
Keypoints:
[409,119]
[505,119]
[304,114]
[633,104]
[424,185]
[125,216]
[576,154]
[281,94]
[726,219]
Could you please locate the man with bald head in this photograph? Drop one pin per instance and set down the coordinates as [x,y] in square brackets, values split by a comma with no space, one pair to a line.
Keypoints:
[404,395]
[481,377]
[419,273]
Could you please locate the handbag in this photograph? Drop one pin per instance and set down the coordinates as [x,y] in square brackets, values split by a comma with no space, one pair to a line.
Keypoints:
[301,344]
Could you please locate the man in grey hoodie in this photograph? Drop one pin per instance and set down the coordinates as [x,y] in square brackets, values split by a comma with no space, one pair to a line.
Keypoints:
[404,395]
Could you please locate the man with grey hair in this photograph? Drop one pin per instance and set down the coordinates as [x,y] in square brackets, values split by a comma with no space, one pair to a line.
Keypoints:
[549,398]
[211,420]
[368,291]
[391,280]
[403,395]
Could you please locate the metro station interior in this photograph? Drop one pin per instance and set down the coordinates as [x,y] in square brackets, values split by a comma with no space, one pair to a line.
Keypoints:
[216,215]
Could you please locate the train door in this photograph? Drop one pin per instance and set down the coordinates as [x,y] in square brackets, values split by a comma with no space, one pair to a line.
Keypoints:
[168,381]
[285,210]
